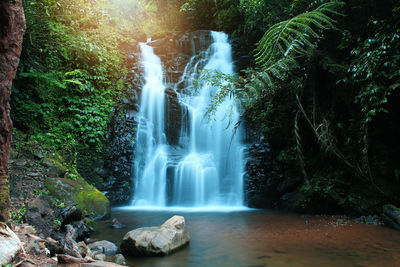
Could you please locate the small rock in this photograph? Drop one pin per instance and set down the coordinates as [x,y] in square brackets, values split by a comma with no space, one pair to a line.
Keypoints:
[82,230]
[83,249]
[372,220]
[116,224]
[33,174]
[104,246]
[53,246]
[362,219]
[33,247]
[100,257]
[119,259]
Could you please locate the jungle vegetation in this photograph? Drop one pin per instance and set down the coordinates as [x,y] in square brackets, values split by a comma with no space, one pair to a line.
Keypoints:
[318,78]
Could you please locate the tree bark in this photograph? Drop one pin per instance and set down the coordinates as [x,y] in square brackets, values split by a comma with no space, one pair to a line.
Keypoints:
[12,27]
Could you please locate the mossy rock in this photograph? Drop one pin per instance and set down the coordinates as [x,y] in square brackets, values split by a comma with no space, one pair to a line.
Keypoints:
[86,197]
[56,166]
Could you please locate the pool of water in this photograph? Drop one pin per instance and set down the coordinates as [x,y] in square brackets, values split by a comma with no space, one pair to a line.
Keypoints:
[264,238]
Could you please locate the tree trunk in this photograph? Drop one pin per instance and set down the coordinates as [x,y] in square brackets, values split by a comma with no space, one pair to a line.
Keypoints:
[12,27]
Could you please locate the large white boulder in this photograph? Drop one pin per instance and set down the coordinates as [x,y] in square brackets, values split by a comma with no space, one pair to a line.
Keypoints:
[10,244]
[163,240]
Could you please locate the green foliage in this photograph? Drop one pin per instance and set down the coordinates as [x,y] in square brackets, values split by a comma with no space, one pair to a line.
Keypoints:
[40,192]
[57,223]
[295,37]
[278,53]
[70,73]
[17,216]
[200,13]
[323,98]
[375,69]
[260,15]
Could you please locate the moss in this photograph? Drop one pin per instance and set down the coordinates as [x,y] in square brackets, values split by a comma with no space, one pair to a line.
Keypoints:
[90,199]
[4,191]
[86,197]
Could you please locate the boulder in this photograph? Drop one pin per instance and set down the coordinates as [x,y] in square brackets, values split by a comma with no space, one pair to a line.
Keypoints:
[83,229]
[79,193]
[40,215]
[391,216]
[393,212]
[70,246]
[104,246]
[10,244]
[119,259]
[163,240]
[70,214]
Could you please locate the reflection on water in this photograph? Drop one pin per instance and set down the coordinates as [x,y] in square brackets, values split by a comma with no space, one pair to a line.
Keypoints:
[261,238]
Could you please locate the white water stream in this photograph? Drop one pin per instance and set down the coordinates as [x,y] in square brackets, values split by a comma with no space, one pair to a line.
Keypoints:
[206,170]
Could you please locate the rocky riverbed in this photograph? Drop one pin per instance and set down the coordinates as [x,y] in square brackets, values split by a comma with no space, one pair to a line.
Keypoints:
[53,213]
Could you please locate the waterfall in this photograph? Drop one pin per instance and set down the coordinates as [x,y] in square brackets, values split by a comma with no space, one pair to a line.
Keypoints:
[206,168]
[151,151]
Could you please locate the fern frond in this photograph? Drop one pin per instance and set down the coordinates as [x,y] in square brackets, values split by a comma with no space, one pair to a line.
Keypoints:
[296,36]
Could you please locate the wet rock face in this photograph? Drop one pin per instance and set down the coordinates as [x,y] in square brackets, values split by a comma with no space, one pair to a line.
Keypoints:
[12,27]
[259,182]
[265,187]
[121,135]
[118,165]
[175,51]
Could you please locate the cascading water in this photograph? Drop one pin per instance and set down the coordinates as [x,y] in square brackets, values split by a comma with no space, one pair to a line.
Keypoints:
[151,150]
[206,168]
